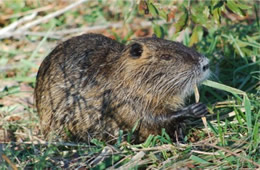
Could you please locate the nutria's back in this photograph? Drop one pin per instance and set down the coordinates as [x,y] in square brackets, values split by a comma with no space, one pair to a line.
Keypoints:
[92,86]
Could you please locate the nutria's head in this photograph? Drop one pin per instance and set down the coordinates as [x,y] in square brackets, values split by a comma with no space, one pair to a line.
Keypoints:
[163,67]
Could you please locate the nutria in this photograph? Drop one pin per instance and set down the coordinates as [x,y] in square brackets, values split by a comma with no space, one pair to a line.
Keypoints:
[91,86]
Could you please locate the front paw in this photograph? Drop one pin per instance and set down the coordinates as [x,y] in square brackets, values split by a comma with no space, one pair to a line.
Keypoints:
[197,110]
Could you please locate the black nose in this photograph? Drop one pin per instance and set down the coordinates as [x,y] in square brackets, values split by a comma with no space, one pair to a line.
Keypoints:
[204,68]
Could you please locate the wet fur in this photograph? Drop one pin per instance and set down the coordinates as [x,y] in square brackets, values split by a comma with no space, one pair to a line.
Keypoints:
[91,86]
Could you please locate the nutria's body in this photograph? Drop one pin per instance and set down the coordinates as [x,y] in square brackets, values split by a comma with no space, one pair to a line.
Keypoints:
[93,86]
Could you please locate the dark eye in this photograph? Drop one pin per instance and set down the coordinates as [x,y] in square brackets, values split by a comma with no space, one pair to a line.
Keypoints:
[166,57]
[136,50]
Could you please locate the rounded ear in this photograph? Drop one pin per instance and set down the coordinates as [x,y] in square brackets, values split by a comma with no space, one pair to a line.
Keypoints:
[136,50]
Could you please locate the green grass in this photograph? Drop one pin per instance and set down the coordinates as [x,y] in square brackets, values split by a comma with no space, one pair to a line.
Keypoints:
[230,137]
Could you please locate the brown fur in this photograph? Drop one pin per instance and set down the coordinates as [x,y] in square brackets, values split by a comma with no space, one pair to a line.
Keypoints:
[91,86]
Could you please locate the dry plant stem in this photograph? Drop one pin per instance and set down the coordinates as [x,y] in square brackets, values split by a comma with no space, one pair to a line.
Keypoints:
[205,153]
[106,152]
[11,27]
[60,34]
[162,147]
[136,159]
[45,8]
[9,162]
[46,143]
[51,15]
[204,120]
[197,95]
[222,117]
[86,29]
[230,152]
[40,34]
[119,162]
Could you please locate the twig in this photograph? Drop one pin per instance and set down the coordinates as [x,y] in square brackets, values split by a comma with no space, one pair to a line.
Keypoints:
[40,34]
[106,152]
[205,153]
[13,26]
[162,147]
[60,34]
[45,8]
[232,153]
[204,120]
[47,143]
[136,160]
[100,27]
[9,162]
[7,31]
[51,15]
[119,162]
[87,29]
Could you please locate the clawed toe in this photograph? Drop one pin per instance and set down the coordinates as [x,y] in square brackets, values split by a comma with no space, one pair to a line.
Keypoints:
[198,110]
[193,111]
